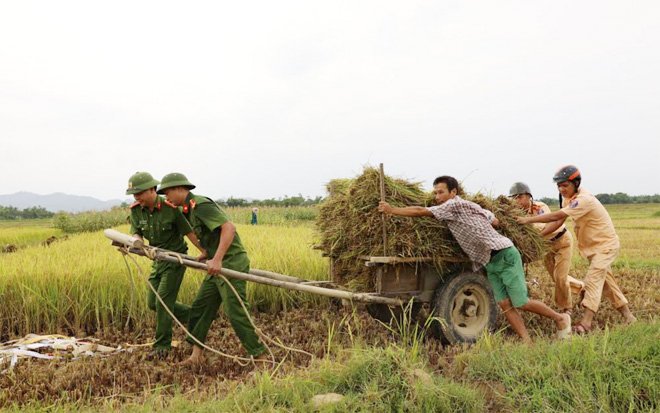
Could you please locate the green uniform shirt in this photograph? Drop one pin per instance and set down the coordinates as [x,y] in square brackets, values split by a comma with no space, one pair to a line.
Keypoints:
[164,227]
[206,218]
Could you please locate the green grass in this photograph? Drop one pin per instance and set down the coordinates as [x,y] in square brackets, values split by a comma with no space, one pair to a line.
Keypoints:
[23,236]
[20,223]
[90,221]
[288,216]
[371,379]
[615,370]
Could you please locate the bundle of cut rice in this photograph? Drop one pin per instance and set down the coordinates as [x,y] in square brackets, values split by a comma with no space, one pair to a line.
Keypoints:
[350,226]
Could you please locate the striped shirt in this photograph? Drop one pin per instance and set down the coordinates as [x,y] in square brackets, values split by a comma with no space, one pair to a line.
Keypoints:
[472,227]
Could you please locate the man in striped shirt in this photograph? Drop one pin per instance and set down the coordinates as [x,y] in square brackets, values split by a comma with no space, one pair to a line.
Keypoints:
[472,226]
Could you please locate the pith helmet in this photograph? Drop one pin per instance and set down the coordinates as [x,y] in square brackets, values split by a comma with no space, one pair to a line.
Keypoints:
[141,181]
[174,179]
[519,188]
[567,173]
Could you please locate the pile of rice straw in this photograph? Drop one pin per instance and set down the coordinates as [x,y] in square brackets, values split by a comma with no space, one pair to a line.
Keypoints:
[350,226]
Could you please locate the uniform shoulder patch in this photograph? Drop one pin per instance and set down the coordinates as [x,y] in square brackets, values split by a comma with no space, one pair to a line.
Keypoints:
[134,204]
[574,204]
[169,204]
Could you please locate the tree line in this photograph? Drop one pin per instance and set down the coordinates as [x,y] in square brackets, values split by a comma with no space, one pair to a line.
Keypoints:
[282,202]
[10,212]
[618,198]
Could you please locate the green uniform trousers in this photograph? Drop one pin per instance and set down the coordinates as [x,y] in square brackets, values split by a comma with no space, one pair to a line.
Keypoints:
[213,292]
[166,277]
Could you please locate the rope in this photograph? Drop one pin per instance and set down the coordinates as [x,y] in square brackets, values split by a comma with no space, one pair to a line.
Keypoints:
[130,275]
[154,251]
[151,253]
[237,359]
[257,329]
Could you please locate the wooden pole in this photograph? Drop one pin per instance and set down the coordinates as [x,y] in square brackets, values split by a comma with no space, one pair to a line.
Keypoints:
[384,218]
[328,292]
[122,238]
[332,259]
[168,256]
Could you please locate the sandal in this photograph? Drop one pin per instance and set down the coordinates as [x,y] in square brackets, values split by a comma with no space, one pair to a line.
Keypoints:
[566,311]
[565,333]
[581,329]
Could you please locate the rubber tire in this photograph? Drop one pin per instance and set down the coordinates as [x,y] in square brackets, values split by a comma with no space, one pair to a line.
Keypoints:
[443,300]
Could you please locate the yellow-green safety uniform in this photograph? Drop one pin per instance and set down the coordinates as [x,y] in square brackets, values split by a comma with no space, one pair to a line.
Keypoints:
[207,218]
[164,227]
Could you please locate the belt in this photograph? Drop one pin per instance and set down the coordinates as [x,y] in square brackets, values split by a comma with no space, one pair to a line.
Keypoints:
[556,237]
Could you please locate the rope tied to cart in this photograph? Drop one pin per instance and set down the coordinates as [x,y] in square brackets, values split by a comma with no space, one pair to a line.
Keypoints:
[152,254]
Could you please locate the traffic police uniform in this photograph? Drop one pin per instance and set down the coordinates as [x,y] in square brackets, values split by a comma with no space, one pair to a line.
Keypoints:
[164,227]
[597,241]
[206,217]
[558,260]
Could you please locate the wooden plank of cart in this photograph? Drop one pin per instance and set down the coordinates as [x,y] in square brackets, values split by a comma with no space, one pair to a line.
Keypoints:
[460,300]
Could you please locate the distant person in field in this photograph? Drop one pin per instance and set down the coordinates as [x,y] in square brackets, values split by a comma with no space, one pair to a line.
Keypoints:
[597,242]
[558,260]
[472,226]
[159,221]
[223,249]
[255,211]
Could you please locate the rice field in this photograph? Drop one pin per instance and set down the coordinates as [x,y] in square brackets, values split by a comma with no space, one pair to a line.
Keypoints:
[19,234]
[81,286]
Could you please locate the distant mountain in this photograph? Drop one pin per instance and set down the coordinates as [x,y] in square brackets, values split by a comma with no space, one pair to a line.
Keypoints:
[58,202]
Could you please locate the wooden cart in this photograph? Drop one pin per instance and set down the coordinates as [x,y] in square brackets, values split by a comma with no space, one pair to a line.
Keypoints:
[460,300]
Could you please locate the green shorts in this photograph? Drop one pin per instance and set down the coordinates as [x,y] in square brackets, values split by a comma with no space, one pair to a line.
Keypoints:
[507,277]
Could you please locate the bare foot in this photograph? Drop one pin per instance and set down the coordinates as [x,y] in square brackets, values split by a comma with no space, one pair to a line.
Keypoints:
[195,358]
[563,322]
[627,315]
[192,361]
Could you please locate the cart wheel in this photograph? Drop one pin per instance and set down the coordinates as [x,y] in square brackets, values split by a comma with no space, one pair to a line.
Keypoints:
[465,307]
[385,313]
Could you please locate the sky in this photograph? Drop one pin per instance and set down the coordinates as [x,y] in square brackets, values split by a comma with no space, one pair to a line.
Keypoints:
[264,99]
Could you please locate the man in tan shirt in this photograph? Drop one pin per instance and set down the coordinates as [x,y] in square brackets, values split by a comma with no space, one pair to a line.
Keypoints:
[597,242]
[558,260]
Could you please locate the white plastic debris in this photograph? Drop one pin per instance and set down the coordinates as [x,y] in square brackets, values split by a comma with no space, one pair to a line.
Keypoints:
[50,347]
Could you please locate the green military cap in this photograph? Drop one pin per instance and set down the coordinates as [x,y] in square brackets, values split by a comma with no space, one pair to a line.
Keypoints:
[141,181]
[174,179]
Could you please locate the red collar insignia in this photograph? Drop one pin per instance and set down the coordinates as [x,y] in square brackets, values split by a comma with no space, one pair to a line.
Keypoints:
[159,205]
[187,208]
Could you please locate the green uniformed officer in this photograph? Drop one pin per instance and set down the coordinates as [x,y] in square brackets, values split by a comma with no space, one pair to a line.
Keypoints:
[162,223]
[223,249]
